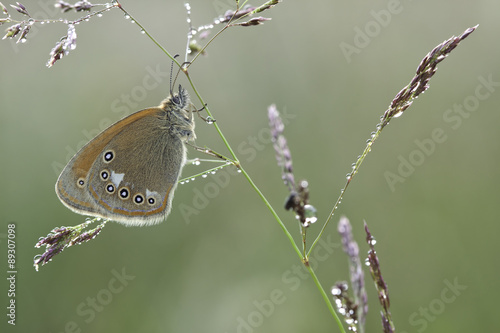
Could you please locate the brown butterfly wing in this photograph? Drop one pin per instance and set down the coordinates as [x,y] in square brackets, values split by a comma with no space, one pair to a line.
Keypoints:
[128,173]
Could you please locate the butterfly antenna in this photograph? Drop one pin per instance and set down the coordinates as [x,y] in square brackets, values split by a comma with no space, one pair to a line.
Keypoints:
[171,71]
[176,75]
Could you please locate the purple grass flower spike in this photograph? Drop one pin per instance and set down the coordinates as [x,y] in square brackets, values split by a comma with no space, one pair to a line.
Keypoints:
[60,238]
[298,199]
[420,81]
[383,291]
[351,248]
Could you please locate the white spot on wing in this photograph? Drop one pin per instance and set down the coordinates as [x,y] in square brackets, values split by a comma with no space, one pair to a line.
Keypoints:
[116,178]
[150,194]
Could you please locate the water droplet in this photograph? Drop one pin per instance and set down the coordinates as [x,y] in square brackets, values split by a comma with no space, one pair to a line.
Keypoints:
[142,31]
[87,19]
[182,183]
[204,175]
[132,21]
[336,291]
[398,114]
[213,172]
[127,16]
[192,179]
[23,40]
[310,215]
[210,120]
[99,15]
[42,22]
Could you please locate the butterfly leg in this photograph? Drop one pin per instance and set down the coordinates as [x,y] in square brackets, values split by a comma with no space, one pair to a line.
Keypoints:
[210,152]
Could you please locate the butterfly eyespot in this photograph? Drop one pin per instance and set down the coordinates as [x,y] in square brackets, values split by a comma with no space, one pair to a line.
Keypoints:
[139,199]
[124,193]
[108,156]
[80,182]
[104,174]
[110,188]
[151,201]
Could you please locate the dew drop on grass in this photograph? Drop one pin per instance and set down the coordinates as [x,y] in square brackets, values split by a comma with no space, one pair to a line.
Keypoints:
[310,215]
[336,291]
[398,114]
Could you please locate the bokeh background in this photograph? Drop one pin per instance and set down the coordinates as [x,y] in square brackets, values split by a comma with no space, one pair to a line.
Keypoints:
[220,268]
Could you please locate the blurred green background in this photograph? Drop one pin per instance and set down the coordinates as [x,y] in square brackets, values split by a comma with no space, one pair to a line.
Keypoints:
[219,270]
